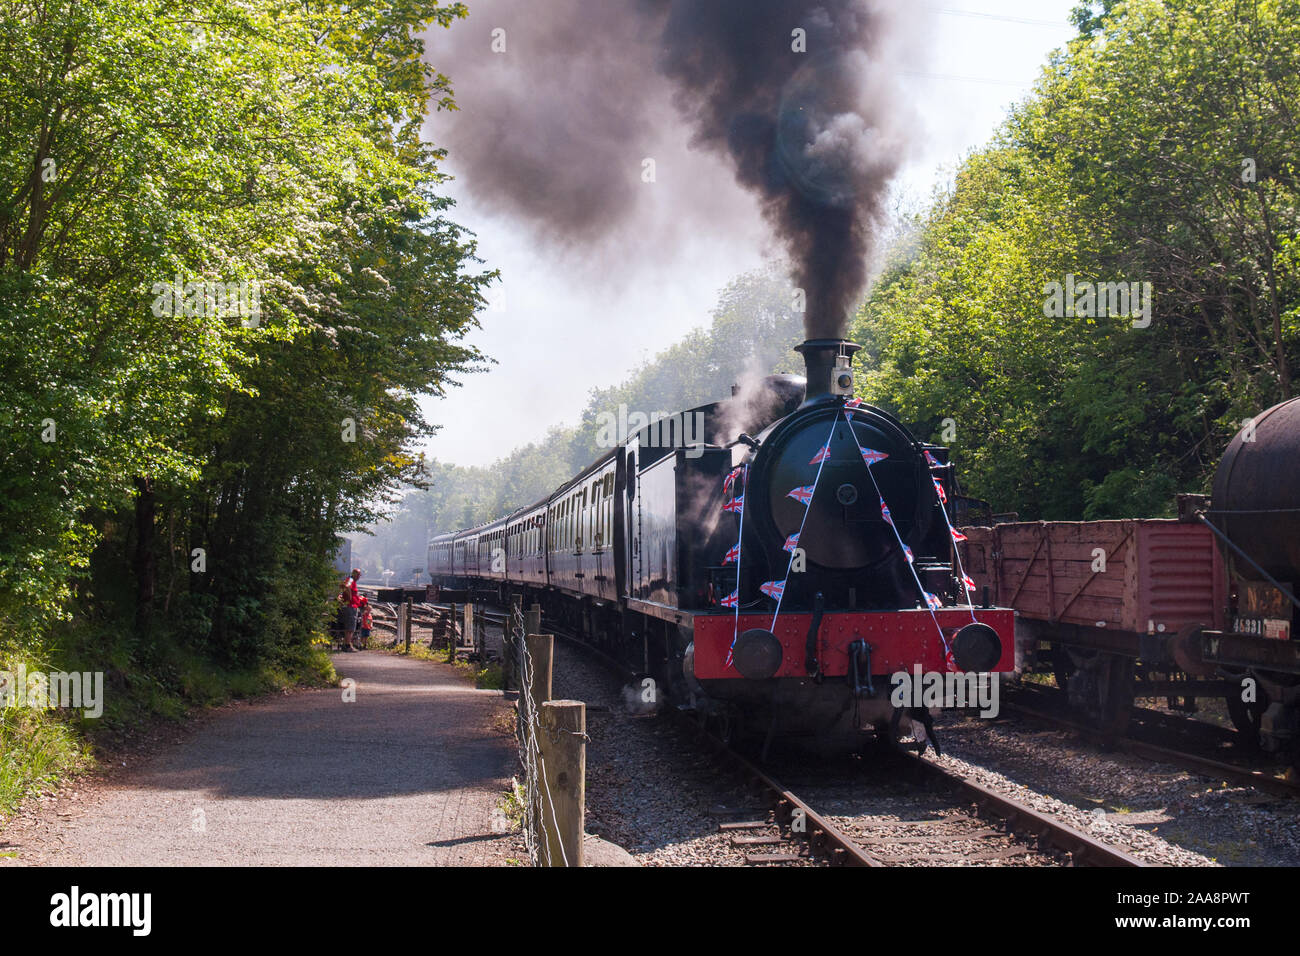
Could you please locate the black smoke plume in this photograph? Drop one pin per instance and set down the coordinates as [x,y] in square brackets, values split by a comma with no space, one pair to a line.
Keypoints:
[797,96]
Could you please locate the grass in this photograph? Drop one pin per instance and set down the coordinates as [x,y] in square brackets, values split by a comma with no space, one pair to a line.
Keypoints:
[490,677]
[1045,680]
[512,804]
[36,750]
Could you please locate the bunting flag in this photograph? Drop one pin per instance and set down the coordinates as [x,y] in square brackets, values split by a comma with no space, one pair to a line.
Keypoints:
[802,494]
[871,456]
[932,601]
[853,403]
[737,506]
[773,589]
[931,460]
[957,537]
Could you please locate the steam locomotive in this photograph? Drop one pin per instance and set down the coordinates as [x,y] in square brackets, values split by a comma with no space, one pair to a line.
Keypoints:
[772,560]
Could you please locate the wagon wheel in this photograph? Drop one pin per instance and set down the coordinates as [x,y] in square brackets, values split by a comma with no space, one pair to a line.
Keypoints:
[1115,693]
[1246,716]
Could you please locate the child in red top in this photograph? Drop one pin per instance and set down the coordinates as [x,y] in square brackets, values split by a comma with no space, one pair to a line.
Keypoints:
[367,622]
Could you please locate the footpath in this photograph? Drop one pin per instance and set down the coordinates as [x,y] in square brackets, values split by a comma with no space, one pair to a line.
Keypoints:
[411,773]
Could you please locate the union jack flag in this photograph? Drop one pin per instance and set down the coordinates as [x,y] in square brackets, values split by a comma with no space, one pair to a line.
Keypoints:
[791,543]
[871,456]
[957,535]
[821,455]
[803,493]
[884,512]
[907,553]
[731,599]
[932,601]
[853,403]
[735,505]
[732,555]
[939,488]
[966,580]
[948,660]
[931,460]
[730,480]
[773,589]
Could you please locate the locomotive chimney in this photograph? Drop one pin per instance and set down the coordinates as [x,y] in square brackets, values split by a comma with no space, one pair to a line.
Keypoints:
[827,362]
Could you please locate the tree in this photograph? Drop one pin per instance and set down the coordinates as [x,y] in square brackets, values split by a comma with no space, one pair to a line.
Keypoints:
[1128,164]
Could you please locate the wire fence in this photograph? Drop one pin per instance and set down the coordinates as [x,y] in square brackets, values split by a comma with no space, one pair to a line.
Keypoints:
[529,753]
[538,742]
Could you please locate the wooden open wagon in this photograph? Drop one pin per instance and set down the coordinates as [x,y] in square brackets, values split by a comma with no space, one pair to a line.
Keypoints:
[1094,598]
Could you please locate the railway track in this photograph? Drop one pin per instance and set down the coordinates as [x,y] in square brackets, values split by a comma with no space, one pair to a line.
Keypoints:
[1196,763]
[907,810]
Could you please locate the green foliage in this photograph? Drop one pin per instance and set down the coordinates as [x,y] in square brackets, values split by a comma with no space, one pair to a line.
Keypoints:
[1128,164]
[173,474]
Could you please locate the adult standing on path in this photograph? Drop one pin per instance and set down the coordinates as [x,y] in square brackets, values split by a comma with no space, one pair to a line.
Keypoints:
[351,601]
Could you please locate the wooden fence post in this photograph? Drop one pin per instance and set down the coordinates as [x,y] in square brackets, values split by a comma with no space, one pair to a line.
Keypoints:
[451,626]
[407,630]
[466,634]
[540,649]
[563,744]
[401,624]
[538,655]
[480,637]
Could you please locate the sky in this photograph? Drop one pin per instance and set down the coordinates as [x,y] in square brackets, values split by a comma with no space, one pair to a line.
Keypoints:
[556,328]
